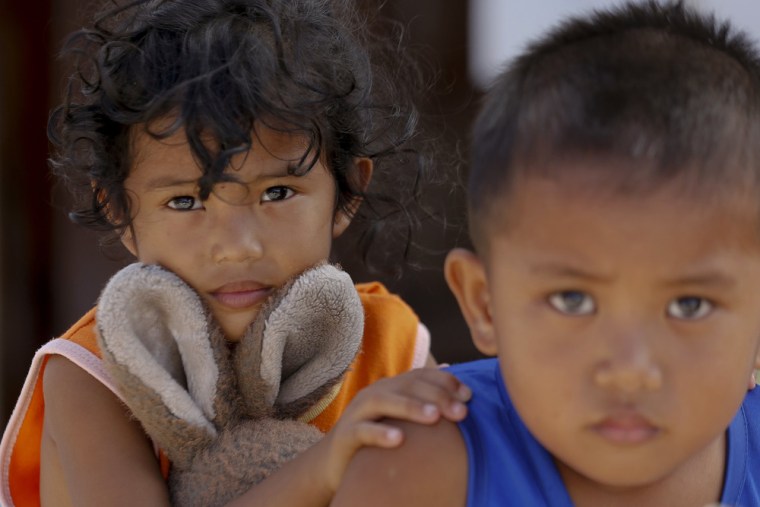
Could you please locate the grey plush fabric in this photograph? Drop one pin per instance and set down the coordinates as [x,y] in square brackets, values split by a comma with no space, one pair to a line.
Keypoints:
[225,416]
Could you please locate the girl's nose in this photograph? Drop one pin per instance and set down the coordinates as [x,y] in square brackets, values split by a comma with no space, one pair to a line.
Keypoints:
[236,235]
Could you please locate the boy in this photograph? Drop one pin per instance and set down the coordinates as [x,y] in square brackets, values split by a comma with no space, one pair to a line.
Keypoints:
[614,209]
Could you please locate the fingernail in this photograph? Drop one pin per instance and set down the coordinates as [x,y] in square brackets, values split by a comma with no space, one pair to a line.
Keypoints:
[464,392]
[429,410]
[393,434]
[458,409]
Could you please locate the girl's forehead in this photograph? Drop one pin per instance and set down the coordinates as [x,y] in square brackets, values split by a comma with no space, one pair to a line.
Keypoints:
[149,145]
[170,165]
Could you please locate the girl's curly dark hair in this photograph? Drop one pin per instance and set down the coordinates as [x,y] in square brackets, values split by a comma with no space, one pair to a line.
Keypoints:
[311,67]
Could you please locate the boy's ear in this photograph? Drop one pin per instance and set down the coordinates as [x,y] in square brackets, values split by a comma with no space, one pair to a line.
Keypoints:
[360,178]
[467,279]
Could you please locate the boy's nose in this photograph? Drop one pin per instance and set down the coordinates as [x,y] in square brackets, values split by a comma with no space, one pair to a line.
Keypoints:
[628,366]
[236,236]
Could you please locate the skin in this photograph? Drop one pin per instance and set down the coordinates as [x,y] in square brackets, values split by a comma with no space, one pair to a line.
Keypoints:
[245,240]
[627,330]
[233,249]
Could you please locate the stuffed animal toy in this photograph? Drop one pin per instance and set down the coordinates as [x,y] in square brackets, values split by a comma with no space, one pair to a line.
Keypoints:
[226,414]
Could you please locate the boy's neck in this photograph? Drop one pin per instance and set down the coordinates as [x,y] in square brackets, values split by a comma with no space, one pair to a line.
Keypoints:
[699,481]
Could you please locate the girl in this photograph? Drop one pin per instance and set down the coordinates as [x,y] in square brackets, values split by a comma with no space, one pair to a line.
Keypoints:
[229,141]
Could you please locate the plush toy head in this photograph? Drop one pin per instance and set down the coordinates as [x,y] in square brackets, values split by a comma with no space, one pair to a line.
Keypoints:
[226,414]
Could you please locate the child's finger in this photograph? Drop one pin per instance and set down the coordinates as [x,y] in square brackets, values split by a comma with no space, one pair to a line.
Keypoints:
[377,434]
[448,402]
[442,389]
[377,404]
[442,379]
[446,381]
[371,405]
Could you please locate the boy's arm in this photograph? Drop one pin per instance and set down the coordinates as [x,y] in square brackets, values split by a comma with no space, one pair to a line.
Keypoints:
[93,453]
[428,469]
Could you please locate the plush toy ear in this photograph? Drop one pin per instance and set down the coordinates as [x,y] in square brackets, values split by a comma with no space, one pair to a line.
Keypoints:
[165,354]
[302,343]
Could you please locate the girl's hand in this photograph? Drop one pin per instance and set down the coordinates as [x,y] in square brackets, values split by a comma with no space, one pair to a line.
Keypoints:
[423,396]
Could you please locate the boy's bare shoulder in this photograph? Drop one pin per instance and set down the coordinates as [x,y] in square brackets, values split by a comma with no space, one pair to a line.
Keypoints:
[429,468]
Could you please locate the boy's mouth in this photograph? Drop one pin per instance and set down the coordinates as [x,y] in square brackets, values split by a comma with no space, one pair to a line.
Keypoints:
[239,295]
[626,427]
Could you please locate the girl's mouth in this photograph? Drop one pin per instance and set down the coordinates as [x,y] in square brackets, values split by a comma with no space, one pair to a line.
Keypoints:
[239,295]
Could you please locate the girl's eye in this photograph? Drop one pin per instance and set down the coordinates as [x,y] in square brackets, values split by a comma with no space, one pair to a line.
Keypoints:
[572,302]
[185,203]
[689,308]
[278,193]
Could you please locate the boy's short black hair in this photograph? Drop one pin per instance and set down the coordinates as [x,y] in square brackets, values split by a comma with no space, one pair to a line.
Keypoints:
[661,87]
[220,66]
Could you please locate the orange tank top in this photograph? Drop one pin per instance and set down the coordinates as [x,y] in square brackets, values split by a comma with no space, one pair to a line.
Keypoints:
[394,342]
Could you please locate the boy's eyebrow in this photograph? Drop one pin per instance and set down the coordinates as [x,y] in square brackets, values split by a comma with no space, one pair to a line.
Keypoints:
[713,279]
[708,278]
[555,269]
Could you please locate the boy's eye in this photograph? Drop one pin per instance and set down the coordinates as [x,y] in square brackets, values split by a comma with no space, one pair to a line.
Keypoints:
[689,308]
[185,203]
[572,302]
[278,193]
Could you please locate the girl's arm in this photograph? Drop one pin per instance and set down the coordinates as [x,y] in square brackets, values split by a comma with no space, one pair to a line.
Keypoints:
[421,396]
[93,452]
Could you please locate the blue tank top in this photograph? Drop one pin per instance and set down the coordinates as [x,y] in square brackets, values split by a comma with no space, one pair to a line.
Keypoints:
[507,466]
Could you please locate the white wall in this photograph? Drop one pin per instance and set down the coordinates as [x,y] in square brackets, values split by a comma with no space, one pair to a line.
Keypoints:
[743,14]
[499,29]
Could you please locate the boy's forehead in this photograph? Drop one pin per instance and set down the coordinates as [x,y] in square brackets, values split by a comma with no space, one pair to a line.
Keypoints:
[596,184]
[664,232]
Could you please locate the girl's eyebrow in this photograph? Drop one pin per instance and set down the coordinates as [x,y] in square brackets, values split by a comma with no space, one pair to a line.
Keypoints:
[161,182]
[167,181]
[289,171]
[279,172]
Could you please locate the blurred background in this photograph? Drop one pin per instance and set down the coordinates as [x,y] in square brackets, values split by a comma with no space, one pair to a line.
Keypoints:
[51,271]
